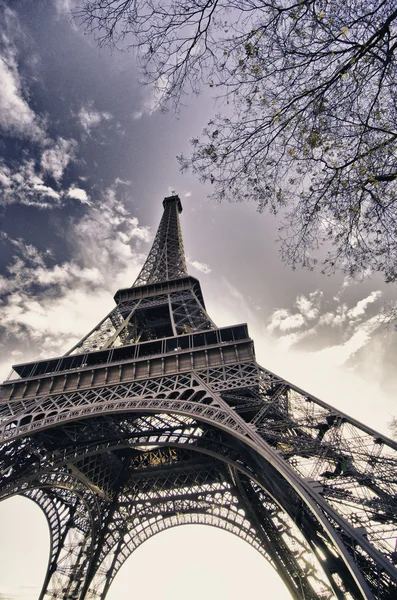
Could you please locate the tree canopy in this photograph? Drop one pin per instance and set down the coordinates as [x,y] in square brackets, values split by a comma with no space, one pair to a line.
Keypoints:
[308,95]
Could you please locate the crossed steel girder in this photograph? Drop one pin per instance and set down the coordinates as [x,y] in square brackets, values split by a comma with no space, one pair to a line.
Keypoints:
[308,459]
[195,491]
[121,326]
[166,259]
[157,418]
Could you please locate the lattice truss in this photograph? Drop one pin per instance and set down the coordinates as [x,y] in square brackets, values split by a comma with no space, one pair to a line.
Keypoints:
[110,332]
[228,444]
[166,481]
[73,519]
[330,480]
[129,321]
[188,314]
[166,259]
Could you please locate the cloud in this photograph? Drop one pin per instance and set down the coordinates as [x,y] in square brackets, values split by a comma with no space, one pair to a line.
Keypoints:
[360,309]
[345,316]
[56,158]
[26,182]
[29,253]
[339,354]
[55,321]
[337,317]
[309,307]
[199,266]
[90,117]
[307,319]
[50,306]
[25,185]
[291,339]
[283,320]
[16,116]
[109,237]
[78,194]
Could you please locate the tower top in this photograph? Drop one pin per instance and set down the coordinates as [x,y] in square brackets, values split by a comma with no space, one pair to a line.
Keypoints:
[166,259]
[173,199]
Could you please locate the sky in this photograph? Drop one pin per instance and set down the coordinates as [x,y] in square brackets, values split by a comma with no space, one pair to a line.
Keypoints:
[85,161]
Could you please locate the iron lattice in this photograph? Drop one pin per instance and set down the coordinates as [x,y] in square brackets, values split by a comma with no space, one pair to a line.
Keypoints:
[158,418]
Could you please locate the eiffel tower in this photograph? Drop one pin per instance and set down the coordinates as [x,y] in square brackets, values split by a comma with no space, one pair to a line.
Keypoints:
[158,418]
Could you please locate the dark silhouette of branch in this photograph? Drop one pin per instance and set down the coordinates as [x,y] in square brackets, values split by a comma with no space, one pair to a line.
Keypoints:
[311,124]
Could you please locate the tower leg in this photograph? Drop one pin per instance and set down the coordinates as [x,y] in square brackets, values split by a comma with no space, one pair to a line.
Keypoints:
[73,517]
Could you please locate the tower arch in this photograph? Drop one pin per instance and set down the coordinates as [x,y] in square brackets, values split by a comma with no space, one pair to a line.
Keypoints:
[156,409]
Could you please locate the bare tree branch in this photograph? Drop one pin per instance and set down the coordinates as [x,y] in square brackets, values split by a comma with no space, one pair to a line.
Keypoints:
[311,128]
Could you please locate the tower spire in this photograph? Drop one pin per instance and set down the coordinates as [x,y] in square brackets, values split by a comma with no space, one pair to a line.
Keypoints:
[166,259]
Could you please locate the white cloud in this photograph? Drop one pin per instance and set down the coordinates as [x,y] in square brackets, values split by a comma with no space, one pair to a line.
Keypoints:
[89,117]
[289,340]
[25,185]
[51,323]
[345,316]
[56,158]
[360,309]
[29,252]
[337,318]
[5,180]
[283,320]
[51,307]
[78,194]
[309,307]
[199,266]
[353,326]
[109,238]
[339,354]
[16,116]
[119,181]
[25,182]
